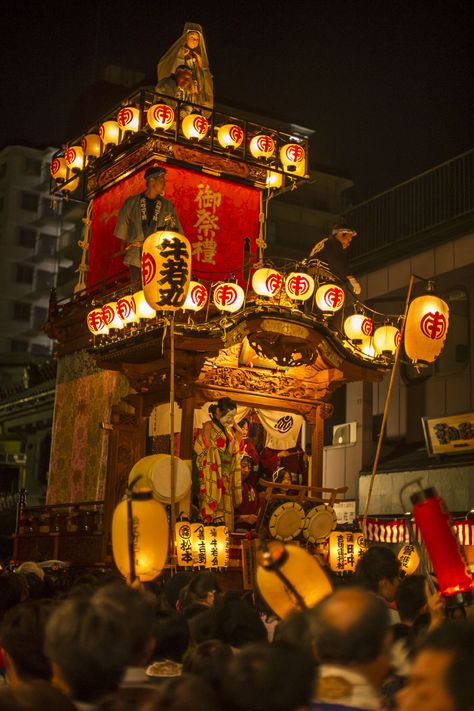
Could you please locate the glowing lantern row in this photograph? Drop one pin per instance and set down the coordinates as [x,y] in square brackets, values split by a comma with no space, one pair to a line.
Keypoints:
[274,180]
[74,157]
[426,328]
[230,135]
[128,119]
[299,286]
[267,282]
[262,146]
[160,116]
[128,309]
[201,546]
[91,146]
[228,297]
[292,157]
[345,549]
[330,297]
[109,133]
[358,327]
[195,126]
[166,270]
[409,559]
[196,298]
[386,339]
[150,536]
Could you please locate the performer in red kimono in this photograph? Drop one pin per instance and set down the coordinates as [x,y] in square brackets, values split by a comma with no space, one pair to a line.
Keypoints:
[247,513]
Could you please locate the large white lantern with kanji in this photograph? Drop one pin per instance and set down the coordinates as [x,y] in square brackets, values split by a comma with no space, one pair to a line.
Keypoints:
[74,157]
[267,282]
[228,297]
[293,158]
[96,322]
[357,327]
[387,339]
[426,328]
[128,118]
[299,286]
[166,270]
[127,309]
[111,316]
[330,298]
[160,116]
[230,135]
[262,146]
[195,126]
[109,133]
[196,298]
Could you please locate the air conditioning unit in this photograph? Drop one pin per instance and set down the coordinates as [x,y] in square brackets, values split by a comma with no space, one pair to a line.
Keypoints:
[344,434]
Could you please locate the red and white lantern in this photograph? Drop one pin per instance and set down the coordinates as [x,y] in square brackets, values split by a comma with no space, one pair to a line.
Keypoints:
[330,297]
[386,339]
[166,270]
[195,126]
[357,327]
[299,286]
[109,133]
[196,298]
[96,322]
[58,169]
[230,135]
[111,316]
[74,157]
[228,297]
[293,158]
[91,145]
[143,309]
[160,116]
[267,282]
[128,119]
[426,328]
[262,146]
[127,309]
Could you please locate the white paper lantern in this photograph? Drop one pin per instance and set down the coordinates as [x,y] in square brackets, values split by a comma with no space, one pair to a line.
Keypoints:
[274,180]
[74,157]
[358,326]
[128,119]
[96,322]
[196,298]
[160,116]
[293,158]
[195,126]
[58,169]
[262,146]
[143,308]
[228,297]
[109,133]
[127,309]
[426,328]
[230,135]
[91,145]
[111,317]
[330,297]
[267,282]
[387,339]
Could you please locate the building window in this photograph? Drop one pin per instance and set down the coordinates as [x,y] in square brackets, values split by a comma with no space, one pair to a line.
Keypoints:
[47,209]
[32,166]
[47,244]
[21,311]
[39,350]
[24,274]
[29,201]
[17,346]
[40,316]
[44,279]
[26,237]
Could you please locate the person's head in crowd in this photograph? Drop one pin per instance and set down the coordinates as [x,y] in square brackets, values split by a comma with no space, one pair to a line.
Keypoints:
[379,570]
[202,588]
[244,426]
[88,646]
[13,589]
[350,628]
[208,661]
[282,476]
[441,675]
[232,621]
[136,608]
[295,630]
[22,640]
[127,699]
[184,693]
[268,677]
[174,585]
[36,695]
[411,598]
[171,635]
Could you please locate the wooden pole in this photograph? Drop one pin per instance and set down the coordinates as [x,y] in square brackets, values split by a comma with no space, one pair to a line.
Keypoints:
[172,450]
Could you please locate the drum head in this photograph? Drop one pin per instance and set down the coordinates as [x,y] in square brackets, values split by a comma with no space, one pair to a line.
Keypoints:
[286,521]
[319,523]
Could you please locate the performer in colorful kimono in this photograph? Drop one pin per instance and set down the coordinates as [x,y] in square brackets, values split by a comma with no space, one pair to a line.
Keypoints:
[247,513]
[218,463]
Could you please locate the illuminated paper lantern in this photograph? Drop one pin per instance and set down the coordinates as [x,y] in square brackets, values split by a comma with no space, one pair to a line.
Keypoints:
[293,158]
[91,145]
[199,545]
[367,347]
[184,544]
[74,157]
[96,322]
[267,282]
[111,317]
[358,327]
[150,536]
[160,116]
[330,297]
[216,539]
[262,146]
[300,568]
[166,270]
[109,133]
[299,286]
[230,135]
[128,119]
[426,328]
[274,180]
[127,309]
[58,169]
[409,559]
[143,308]
[228,297]
[195,126]
[345,549]
[386,339]
[70,185]
[196,298]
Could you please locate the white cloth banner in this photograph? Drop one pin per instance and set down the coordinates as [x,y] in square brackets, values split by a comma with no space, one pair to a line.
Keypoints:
[282,428]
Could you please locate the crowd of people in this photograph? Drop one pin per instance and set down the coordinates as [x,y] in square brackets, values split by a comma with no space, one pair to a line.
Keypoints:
[376,643]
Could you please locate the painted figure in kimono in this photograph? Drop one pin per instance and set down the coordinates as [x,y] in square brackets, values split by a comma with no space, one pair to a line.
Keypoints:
[190,51]
[217,449]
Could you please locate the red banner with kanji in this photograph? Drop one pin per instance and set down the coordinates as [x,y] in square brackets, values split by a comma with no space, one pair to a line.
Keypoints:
[217,216]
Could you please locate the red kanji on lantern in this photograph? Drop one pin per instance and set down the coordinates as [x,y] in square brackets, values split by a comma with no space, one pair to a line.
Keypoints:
[148,268]
[433,325]
[125,116]
[273,283]
[334,296]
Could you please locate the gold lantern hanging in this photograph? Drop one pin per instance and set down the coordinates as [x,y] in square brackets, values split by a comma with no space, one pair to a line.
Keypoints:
[74,157]
[230,135]
[409,559]
[216,540]
[274,179]
[386,339]
[160,116]
[91,145]
[228,296]
[426,328]
[111,316]
[196,298]
[293,158]
[109,133]
[330,298]
[150,536]
[142,306]
[195,126]
[199,545]
[184,544]
[128,119]
[127,309]
[289,578]
[262,146]
[299,286]
[345,549]
[96,322]
[358,327]
[166,270]
[267,282]
[58,169]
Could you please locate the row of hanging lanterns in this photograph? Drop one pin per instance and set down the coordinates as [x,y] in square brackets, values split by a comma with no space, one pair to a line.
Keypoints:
[201,546]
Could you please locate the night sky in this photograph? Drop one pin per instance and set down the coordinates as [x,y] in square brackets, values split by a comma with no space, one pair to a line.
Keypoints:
[386,86]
